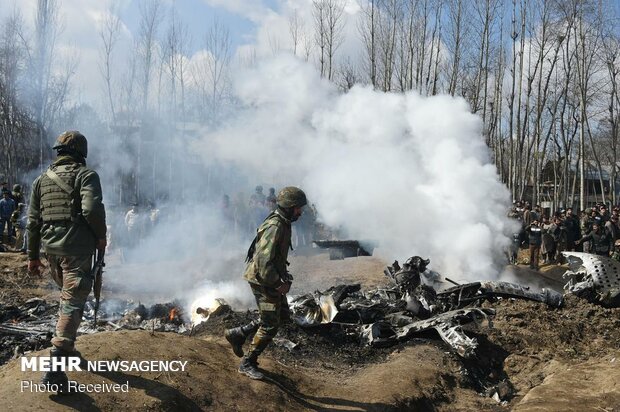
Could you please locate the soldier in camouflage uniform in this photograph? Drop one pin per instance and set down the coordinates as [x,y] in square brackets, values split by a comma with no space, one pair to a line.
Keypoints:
[67,217]
[269,279]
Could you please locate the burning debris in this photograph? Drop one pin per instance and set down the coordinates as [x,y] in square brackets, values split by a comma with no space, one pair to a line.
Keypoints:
[30,326]
[414,305]
[593,277]
[384,317]
[202,313]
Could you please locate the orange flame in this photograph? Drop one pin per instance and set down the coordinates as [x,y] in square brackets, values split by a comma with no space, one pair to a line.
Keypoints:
[173,313]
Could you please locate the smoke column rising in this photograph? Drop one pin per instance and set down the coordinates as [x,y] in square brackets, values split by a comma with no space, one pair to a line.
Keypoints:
[410,172]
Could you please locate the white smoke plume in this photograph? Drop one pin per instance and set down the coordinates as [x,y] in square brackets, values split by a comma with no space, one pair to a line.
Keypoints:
[409,172]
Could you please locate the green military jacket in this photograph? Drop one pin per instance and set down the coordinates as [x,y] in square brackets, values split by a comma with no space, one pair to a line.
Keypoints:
[71,237]
[267,266]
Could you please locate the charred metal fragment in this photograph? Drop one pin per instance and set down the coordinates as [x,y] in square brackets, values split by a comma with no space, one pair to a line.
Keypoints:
[466,294]
[448,325]
[593,277]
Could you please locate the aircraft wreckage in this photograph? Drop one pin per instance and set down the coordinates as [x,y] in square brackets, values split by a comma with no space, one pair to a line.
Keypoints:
[383,317]
[593,277]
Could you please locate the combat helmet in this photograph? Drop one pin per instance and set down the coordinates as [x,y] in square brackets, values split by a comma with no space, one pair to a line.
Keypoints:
[72,141]
[291,196]
[17,188]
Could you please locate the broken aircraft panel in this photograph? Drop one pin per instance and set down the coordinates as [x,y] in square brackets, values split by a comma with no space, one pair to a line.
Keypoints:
[448,325]
[593,277]
[463,295]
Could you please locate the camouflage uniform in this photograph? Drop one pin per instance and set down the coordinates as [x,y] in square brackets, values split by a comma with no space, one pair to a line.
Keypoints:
[269,279]
[68,226]
[265,272]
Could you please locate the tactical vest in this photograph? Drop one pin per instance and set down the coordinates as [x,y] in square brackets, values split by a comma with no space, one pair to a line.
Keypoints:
[252,248]
[58,201]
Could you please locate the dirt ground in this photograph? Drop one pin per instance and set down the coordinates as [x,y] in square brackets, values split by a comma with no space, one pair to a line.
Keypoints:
[541,359]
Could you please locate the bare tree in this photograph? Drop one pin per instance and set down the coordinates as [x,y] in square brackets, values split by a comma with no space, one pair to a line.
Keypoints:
[47,27]
[611,58]
[17,129]
[296,29]
[109,33]
[175,47]
[211,74]
[457,33]
[150,19]
[368,32]
[328,32]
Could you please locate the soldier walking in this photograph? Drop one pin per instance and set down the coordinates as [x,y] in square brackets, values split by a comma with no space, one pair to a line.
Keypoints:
[269,279]
[67,217]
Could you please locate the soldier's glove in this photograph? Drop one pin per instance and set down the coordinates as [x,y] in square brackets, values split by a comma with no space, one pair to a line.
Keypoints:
[284,288]
[35,266]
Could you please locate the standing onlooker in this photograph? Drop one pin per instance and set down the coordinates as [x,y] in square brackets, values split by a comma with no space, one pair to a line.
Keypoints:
[258,209]
[600,239]
[549,238]
[534,232]
[19,219]
[18,197]
[528,218]
[270,202]
[604,214]
[571,223]
[537,213]
[615,255]
[585,224]
[7,207]
[611,226]
[513,250]
[561,241]
[4,187]
[133,222]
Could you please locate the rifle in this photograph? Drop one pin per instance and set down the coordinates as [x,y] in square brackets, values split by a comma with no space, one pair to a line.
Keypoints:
[97,273]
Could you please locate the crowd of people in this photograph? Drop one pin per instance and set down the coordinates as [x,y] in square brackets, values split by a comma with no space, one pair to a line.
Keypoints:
[242,216]
[13,217]
[245,219]
[593,230]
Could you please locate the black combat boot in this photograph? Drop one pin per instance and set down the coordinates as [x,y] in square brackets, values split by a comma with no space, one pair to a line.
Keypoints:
[58,378]
[249,367]
[83,361]
[237,336]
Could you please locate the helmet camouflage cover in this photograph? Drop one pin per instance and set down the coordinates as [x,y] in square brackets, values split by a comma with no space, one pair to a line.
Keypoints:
[291,196]
[72,140]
